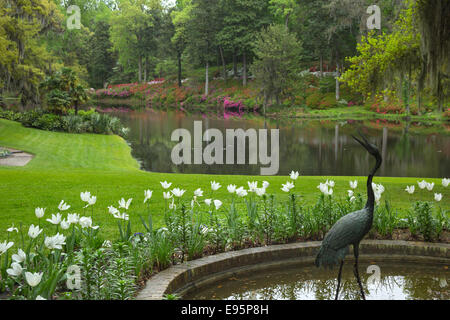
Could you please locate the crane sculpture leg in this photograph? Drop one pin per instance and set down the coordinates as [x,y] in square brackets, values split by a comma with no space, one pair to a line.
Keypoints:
[339,279]
[355,269]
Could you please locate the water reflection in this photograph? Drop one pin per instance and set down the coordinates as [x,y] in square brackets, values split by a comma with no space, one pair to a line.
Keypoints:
[397,282]
[313,147]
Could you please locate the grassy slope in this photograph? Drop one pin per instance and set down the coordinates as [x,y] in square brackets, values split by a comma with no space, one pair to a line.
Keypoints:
[67,164]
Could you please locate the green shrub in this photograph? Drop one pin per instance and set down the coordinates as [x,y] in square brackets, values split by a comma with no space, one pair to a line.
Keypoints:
[328,101]
[314,99]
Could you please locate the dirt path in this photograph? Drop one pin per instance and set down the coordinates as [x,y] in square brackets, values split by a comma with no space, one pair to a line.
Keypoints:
[17,158]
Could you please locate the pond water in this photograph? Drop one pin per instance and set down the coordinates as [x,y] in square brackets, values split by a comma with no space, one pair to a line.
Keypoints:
[313,147]
[397,281]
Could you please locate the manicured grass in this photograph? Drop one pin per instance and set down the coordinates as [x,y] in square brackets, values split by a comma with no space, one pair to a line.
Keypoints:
[67,164]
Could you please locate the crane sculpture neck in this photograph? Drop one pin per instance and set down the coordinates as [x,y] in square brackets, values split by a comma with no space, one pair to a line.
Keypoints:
[370,195]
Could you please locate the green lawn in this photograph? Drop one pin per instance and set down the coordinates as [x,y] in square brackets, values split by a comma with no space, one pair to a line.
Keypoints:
[67,164]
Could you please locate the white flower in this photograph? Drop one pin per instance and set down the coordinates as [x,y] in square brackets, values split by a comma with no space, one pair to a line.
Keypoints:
[177,192]
[40,298]
[241,192]
[198,193]
[86,222]
[294,175]
[410,189]
[215,186]
[19,257]
[34,231]
[422,184]
[167,195]
[39,212]
[350,193]
[260,191]
[231,188]
[12,228]
[252,186]
[148,195]
[73,218]
[63,206]
[107,244]
[55,242]
[445,182]
[430,186]
[288,186]
[56,219]
[325,189]
[353,184]
[4,246]
[265,184]
[330,183]
[217,204]
[438,196]
[65,224]
[118,215]
[85,196]
[125,204]
[352,198]
[208,202]
[165,184]
[91,201]
[15,270]
[172,205]
[33,279]
[378,188]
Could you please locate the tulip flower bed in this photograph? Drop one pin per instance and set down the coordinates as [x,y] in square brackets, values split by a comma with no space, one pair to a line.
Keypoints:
[65,257]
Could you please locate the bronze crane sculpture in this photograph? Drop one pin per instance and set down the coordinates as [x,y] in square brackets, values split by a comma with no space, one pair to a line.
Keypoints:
[351,228]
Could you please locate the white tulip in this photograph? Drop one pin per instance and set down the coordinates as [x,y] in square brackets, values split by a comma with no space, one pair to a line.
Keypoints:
[231,188]
[353,184]
[148,195]
[215,186]
[445,182]
[198,193]
[65,224]
[15,270]
[422,184]
[63,206]
[252,186]
[12,228]
[92,200]
[410,189]
[85,196]
[33,279]
[40,298]
[167,195]
[330,183]
[177,192]
[350,193]
[438,196]
[265,184]
[73,218]
[39,212]
[55,242]
[294,175]
[260,191]
[430,186]
[217,204]
[125,204]
[4,246]
[166,185]
[56,219]
[208,202]
[20,256]
[86,222]
[241,192]
[34,231]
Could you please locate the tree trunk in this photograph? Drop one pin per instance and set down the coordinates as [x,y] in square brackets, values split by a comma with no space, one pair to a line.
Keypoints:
[224,68]
[76,107]
[140,69]
[337,78]
[145,68]
[207,79]
[321,65]
[179,68]
[234,64]
[244,69]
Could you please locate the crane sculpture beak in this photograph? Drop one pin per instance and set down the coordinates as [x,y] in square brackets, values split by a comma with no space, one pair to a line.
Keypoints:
[372,149]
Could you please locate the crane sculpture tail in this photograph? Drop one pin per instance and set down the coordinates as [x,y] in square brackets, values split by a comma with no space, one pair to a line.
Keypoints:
[328,257]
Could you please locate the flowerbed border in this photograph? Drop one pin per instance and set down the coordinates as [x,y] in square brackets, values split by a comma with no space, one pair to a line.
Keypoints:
[190,275]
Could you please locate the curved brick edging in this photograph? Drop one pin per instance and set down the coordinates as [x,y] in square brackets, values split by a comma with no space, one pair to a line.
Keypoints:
[191,275]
